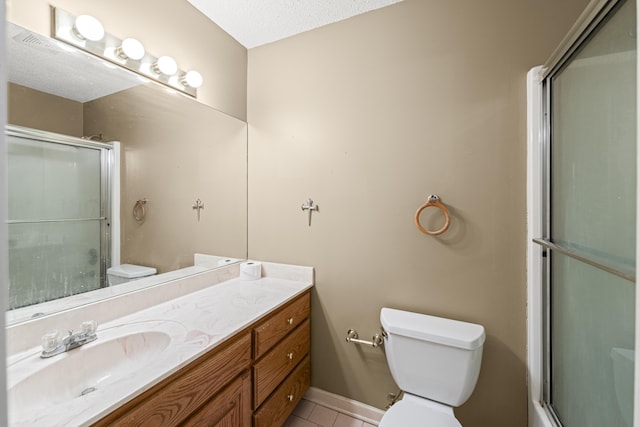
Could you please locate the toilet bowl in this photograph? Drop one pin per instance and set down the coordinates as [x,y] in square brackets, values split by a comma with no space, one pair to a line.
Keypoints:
[417,411]
[123,273]
[623,369]
[435,362]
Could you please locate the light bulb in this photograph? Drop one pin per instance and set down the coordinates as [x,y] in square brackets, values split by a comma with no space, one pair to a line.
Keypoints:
[165,65]
[87,27]
[130,49]
[192,78]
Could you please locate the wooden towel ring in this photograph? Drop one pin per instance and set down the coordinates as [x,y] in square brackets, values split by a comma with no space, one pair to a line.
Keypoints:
[138,210]
[433,201]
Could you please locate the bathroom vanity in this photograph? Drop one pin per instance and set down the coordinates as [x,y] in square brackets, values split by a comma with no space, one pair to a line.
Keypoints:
[263,368]
[232,354]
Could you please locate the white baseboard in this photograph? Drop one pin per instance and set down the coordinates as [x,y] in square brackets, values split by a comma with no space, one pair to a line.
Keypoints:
[349,407]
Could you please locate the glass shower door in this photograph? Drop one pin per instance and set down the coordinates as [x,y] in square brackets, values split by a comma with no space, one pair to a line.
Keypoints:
[57,220]
[591,227]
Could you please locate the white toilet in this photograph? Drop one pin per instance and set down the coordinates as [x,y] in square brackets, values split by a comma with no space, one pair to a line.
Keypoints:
[435,362]
[623,363]
[123,273]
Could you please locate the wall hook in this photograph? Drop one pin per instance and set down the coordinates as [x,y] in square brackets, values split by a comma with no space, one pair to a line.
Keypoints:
[310,207]
[198,206]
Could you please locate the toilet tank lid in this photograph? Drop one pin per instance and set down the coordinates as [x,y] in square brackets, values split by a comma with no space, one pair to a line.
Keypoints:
[431,328]
[131,271]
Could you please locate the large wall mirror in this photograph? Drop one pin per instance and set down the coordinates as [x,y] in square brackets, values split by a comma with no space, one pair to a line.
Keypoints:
[174,153]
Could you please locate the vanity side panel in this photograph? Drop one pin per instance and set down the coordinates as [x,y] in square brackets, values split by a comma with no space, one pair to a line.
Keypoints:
[173,400]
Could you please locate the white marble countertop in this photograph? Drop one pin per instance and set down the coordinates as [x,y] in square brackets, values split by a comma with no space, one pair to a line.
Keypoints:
[196,323]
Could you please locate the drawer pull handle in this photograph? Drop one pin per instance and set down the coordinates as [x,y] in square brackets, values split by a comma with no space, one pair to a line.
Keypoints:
[290,356]
[290,397]
[290,321]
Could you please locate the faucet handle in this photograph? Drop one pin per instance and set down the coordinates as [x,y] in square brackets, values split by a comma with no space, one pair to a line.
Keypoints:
[50,341]
[89,326]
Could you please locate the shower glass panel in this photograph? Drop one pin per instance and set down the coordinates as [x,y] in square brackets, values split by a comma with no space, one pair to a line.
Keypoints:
[591,200]
[592,345]
[57,220]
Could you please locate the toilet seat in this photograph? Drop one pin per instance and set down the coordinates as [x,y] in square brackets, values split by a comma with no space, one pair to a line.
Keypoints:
[414,411]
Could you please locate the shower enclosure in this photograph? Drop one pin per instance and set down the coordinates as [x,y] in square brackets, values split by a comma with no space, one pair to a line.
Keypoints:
[59,215]
[583,174]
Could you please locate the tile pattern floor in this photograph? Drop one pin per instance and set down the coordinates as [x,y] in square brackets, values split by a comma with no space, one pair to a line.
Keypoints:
[309,414]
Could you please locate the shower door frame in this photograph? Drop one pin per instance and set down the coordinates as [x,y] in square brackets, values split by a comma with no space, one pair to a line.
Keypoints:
[108,180]
[538,130]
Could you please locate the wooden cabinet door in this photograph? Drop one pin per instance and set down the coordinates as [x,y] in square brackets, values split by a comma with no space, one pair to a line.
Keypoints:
[230,408]
[173,400]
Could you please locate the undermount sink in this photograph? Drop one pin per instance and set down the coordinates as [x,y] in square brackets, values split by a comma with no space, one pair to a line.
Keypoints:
[36,384]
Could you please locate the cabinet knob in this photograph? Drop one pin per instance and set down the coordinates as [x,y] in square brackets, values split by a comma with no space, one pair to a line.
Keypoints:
[290,321]
[290,397]
[290,356]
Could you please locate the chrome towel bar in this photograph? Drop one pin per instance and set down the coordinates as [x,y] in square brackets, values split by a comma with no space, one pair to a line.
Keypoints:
[42,221]
[586,258]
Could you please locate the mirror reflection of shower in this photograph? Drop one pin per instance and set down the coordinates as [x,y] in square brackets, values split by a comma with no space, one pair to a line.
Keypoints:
[60,215]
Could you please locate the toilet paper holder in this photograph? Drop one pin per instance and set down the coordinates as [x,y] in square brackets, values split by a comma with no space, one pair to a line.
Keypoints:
[377,340]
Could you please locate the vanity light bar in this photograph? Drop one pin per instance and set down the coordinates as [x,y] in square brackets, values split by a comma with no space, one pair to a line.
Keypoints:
[86,32]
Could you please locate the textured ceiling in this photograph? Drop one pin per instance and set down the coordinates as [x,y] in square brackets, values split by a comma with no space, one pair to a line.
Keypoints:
[40,63]
[257,22]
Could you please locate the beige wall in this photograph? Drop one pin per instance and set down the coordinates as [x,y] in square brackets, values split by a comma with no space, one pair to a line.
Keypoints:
[43,111]
[368,117]
[174,151]
[170,27]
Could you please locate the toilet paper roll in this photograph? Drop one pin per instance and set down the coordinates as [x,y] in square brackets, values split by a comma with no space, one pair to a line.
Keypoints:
[250,270]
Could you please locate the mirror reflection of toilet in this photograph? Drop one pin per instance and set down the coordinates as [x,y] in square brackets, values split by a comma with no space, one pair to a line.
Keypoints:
[435,362]
[124,273]
[623,375]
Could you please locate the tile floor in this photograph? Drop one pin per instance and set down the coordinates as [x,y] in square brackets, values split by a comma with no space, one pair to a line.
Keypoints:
[309,414]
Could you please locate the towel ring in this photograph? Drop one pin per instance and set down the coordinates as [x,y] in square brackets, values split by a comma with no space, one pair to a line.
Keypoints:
[138,210]
[434,200]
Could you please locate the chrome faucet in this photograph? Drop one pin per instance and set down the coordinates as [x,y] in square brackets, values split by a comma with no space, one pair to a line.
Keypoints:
[53,345]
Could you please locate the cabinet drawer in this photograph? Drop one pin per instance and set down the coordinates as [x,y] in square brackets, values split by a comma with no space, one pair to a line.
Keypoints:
[183,393]
[231,407]
[277,408]
[267,334]
[272,369]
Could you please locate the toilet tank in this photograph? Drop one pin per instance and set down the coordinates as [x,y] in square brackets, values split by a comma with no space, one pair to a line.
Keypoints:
[123,273]
[432,357]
